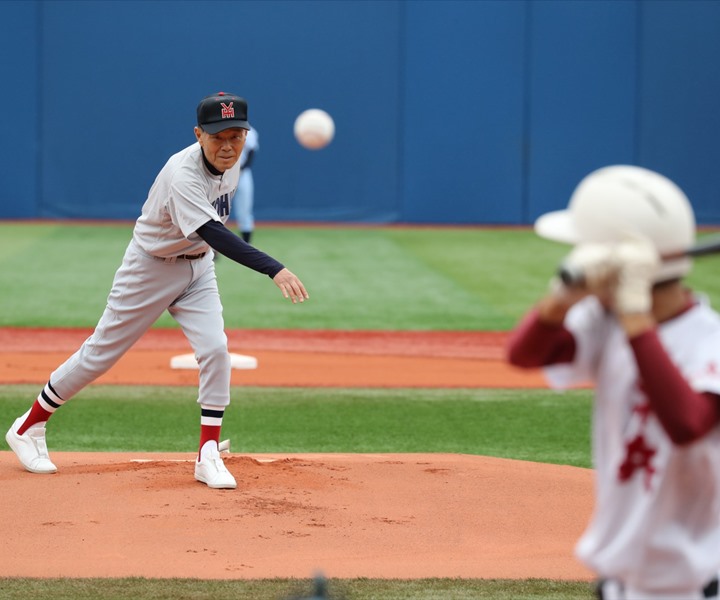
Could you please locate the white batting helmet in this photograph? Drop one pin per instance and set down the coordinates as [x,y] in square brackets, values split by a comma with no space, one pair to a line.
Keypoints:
[618,200]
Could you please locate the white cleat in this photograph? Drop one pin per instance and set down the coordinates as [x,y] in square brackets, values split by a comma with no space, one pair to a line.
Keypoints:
[30,447]
[211,470]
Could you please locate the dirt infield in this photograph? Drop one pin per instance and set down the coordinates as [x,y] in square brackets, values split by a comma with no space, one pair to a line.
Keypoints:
[373,515]
[287,358]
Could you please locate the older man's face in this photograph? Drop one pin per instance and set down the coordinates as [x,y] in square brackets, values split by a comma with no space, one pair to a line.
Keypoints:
[222,149]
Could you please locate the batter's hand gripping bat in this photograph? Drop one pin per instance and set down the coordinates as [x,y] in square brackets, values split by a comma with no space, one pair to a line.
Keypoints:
[572,277]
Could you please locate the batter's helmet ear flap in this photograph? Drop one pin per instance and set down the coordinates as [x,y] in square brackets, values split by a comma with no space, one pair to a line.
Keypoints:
[616,201]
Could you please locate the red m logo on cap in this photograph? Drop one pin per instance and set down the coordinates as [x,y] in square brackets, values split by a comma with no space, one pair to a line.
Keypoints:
[228,112]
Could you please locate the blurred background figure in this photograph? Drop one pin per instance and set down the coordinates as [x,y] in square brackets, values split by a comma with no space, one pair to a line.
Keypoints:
[244,197]
[320,590]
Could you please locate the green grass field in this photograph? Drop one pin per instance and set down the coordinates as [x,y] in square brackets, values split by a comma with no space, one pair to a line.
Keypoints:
[358,277]
[535,425]
[384,278]
[282,589]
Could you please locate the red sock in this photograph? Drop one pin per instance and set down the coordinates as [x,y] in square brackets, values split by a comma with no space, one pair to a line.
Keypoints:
[208,433]
[37,415]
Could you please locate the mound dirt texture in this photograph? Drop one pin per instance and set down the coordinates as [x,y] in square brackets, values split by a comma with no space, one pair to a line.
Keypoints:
[348,515]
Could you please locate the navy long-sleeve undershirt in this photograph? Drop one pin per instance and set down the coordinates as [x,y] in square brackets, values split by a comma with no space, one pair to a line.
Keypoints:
[223,240]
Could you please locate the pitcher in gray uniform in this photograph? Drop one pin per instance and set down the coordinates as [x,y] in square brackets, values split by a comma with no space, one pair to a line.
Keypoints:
[168,265]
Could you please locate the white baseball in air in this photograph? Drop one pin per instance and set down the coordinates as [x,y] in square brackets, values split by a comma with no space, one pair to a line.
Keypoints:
[314,129]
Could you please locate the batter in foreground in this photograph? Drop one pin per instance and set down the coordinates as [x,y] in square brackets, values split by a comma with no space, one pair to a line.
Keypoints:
[651,347]
[168,265]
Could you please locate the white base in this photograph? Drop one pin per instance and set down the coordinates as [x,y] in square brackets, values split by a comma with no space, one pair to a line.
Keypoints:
[237,361]
[223,447]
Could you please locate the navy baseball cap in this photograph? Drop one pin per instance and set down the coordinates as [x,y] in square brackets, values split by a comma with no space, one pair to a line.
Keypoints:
[222,111]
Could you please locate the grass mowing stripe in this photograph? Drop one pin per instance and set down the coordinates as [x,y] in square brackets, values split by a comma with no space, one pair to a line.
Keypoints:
[503,270]
[75,262]
[278,589]
[535,425]
[358,278]
[384,278]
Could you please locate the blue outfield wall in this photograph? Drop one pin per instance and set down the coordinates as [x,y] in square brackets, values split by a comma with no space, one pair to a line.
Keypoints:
[449,111]
[21,106]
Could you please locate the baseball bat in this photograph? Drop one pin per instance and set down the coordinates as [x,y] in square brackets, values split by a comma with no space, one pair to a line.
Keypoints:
[573,277]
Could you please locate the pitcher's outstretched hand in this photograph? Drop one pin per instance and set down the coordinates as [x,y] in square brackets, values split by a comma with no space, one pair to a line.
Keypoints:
[291,286]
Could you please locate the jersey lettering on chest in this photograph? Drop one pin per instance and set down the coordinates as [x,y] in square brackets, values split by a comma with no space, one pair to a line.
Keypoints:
[222,205]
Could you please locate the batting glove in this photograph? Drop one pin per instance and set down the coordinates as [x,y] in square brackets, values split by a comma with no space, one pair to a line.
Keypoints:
[592,266]
[638,263]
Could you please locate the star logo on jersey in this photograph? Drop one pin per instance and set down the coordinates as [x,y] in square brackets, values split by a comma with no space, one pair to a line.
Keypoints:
[638,456]
[228,111]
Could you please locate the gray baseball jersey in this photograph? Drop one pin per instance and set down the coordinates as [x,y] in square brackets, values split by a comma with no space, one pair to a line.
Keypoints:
[185,196]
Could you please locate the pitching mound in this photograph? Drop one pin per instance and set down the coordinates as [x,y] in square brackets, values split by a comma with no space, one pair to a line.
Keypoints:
[350,515]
